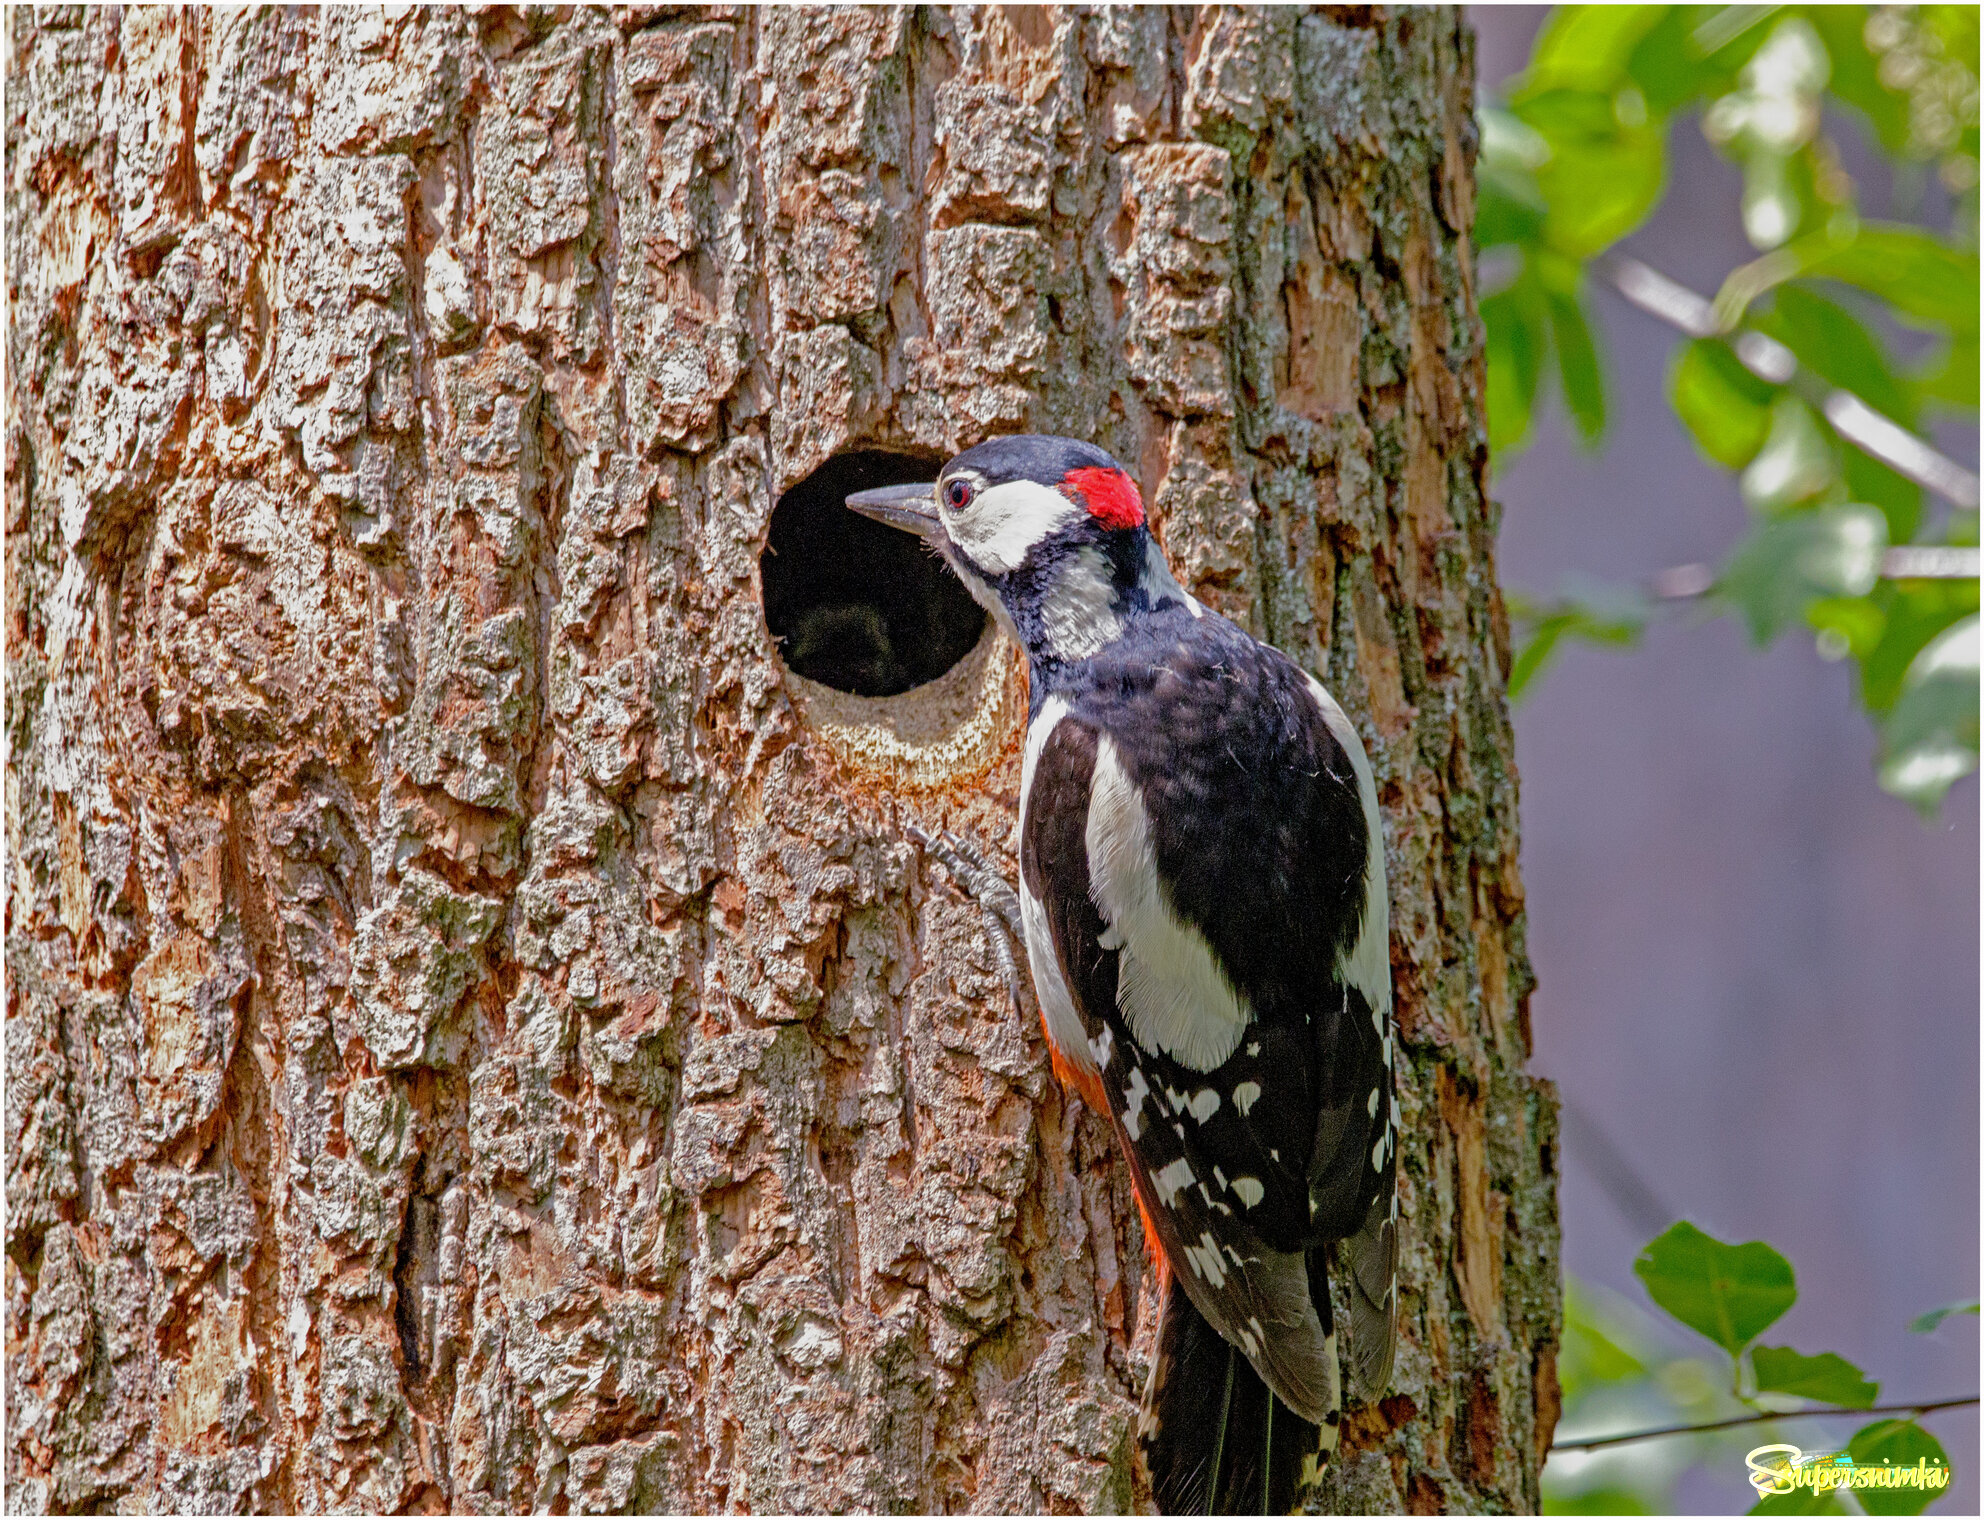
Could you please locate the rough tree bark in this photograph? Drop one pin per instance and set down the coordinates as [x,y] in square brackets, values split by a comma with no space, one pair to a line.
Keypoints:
[477,1034]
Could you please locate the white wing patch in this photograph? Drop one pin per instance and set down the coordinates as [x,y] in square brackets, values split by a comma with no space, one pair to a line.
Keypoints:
[1003,523]
[1204,1259]
[1367,965]
[1168,985]
[1172,1179]
[1101,1046]
[1133,1103]
[1057,1005]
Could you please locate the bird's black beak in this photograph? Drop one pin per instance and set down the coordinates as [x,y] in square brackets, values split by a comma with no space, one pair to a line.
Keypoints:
[912,508]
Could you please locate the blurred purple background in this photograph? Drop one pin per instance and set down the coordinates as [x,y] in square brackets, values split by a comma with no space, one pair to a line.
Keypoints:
[1757,972]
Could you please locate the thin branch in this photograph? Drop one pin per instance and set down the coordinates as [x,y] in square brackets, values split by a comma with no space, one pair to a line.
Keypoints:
[1908,562]
[1871,431]
[1896,447]
[1932,562]
[1591,1443]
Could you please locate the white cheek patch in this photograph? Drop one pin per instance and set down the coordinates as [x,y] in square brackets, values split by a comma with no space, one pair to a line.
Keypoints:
[1168,985]
[1367,965]
[1079,612]
[1002,523]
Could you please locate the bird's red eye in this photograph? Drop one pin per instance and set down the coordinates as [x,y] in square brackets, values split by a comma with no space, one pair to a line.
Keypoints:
[958,495]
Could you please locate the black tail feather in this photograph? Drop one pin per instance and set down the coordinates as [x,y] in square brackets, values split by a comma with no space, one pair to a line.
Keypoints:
[1215,1440]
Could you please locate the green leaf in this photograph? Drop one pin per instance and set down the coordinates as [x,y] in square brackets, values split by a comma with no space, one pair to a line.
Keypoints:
[1604,175]
[1586,47]
[1929,740]
[1896,1444]
[1957,27]
[1593,1352]
[1913,271]
[1796,463]
[1914,612]
[1951,376]
[1720,402]
[1789,563]
[1507,139]
[1730,35]
[1731,1294]
[1578,365]
[1922,1324]
[1916,273]
[1533,655]
[1847,624]
[1827,1378]
[1598,197]
[1517,341]
[1800,1501]
[1611,1499]
[1509,208]
[1585,609]
[1868,480]
[1831,342]
[1855,72]
[1670,70]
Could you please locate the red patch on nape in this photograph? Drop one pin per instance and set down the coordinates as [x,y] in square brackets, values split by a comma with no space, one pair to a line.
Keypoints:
[1110,496]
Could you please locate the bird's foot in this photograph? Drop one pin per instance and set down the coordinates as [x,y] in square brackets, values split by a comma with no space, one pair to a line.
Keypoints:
[983,883]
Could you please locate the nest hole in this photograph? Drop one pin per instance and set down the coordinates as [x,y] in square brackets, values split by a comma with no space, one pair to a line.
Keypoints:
[854,605]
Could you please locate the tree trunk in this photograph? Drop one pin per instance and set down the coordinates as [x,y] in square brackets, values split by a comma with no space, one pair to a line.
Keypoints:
[478,1034]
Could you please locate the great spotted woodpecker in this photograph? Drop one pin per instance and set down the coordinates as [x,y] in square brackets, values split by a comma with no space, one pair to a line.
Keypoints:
[1202,895]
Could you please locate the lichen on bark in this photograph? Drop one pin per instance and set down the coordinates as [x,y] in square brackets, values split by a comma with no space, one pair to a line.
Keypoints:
[470,1043]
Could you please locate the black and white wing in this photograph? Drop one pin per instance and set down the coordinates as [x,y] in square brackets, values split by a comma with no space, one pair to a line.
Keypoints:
[1193,853]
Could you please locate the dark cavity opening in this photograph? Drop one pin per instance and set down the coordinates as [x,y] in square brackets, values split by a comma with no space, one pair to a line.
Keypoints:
[855,605]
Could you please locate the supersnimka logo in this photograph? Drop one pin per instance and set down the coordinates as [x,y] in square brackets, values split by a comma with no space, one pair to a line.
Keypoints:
[1782,1469]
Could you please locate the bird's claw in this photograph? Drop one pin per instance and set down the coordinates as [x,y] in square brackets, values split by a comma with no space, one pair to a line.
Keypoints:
[979,879]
